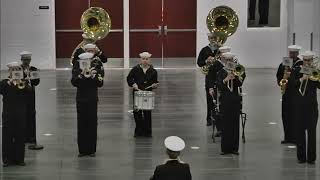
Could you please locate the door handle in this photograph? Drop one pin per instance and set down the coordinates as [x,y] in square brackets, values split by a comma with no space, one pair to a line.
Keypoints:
[159,30]
[165,28]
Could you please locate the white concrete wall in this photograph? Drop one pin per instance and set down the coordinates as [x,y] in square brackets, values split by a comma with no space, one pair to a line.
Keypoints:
[24,27]
[256,47]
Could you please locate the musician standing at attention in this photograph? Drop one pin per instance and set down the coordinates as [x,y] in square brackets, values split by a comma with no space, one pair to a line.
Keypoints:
[288,104]
[206,58]
[87,84]
[31,133]
[230,99]
[307,111]
[14,112]
[212,85]
[143,77]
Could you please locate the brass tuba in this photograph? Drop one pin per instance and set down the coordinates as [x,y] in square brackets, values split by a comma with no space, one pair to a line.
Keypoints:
[95,23]
[223,22]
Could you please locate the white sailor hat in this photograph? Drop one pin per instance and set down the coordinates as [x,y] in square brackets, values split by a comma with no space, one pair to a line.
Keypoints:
[294,48]
[307,55]
[89,46]
[25,54]
[145,55]
[225,49]
[174,143]
[86,55]
[228,55]
[13,64]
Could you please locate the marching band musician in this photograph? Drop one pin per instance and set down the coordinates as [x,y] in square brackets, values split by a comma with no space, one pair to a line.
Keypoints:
[230,99]
[31,108]
[87,83]
[212,85]
[206,57]
[173,168]
[288,118]
[143,77]
[88,45]
[307,111]
[15,97]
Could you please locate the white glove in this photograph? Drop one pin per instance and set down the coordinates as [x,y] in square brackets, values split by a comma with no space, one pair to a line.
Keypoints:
[135,86]
[211,91]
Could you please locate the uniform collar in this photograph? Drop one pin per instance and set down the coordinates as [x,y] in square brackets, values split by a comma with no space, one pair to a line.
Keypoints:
[170,160]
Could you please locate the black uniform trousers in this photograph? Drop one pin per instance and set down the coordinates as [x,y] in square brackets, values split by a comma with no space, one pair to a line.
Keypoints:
[230,126]
[143,122]
[87,126]
[307,134]
[31,121]
[13,138]
[288,118]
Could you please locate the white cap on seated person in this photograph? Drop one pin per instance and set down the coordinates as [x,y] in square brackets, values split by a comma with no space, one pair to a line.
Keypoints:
[86,55]
[308,55]
[145,55]
[294,48]
[228,55]
[224,49]
[26,55]
[174,143]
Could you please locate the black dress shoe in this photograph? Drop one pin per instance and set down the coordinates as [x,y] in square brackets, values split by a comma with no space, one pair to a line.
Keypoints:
[5,164]
[209,123]
[224,153]
[301,161]
[235,153]
[35,147]
[81,155]
[218,134]
[311,162]
[92,155]
[21,163]
[284,142]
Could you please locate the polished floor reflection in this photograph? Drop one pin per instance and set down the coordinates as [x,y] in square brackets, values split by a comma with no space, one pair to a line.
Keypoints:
[180,110]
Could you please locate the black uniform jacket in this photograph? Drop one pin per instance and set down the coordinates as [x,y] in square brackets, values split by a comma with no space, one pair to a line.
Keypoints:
[203,55]
[87,88]
[14,101]
[172,170]
[143,80]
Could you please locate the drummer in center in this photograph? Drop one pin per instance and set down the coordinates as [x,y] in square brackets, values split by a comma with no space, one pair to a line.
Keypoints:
[143,77]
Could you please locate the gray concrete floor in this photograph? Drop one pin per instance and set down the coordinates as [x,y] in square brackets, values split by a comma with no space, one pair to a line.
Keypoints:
[180,110]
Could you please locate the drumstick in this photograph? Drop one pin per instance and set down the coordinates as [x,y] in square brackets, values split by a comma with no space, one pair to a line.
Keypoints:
[150,86]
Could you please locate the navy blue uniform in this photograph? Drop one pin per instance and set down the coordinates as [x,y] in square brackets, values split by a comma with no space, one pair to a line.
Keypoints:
[143,80]
[13,122]
[87,100]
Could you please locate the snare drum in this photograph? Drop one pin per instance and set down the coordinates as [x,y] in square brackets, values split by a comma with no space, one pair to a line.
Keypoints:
[144,100]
